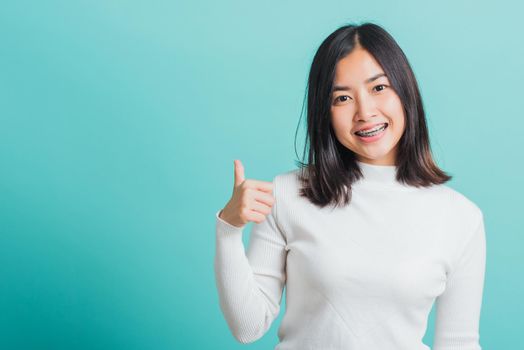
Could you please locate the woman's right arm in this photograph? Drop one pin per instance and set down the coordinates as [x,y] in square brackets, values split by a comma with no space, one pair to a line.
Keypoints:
[249,284]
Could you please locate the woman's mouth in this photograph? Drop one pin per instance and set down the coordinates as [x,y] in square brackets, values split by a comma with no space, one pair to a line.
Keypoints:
[373,134]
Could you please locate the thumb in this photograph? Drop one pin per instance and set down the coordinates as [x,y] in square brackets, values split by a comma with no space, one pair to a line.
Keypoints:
[239,172]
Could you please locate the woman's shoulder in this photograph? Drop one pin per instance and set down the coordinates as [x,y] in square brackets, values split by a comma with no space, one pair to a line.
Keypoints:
[286,182]
[287,189]
[290,175]
[459,205]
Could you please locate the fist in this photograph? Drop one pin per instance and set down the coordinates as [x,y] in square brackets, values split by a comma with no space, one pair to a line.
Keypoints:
[251,200]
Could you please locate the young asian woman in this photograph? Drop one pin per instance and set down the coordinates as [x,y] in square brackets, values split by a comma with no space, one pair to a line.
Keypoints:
[365,236]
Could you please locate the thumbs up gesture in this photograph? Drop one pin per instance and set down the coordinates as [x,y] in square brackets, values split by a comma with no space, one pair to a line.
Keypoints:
[251,200]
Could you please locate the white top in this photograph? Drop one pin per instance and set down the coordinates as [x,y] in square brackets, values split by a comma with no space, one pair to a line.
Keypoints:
[362,276]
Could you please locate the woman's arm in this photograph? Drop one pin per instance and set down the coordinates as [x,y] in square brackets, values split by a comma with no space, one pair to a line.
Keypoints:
[458,307]
[250,284]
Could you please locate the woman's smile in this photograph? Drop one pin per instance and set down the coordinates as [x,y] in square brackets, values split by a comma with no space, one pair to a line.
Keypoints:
[372,136]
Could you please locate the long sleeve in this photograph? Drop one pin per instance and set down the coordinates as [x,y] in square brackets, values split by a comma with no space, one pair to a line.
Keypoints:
[458,307]
[250,285]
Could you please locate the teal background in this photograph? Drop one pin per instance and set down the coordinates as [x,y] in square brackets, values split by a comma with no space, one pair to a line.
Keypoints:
[120,121]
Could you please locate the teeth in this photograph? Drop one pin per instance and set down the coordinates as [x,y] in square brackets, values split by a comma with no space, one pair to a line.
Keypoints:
[375,130]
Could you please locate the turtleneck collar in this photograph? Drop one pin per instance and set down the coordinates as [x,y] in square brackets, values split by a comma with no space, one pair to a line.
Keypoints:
[379,174]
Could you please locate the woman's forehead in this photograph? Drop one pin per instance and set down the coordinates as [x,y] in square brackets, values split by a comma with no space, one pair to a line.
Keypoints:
[358,67]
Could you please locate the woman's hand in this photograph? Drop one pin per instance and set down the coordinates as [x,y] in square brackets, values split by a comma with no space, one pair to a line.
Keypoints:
[251,200]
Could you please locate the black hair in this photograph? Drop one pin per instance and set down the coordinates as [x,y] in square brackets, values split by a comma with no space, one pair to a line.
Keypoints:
[331,168]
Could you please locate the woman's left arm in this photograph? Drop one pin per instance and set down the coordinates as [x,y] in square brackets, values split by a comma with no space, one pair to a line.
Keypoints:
[458,307]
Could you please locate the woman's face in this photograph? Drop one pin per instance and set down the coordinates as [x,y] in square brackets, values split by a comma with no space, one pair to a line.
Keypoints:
[362,99]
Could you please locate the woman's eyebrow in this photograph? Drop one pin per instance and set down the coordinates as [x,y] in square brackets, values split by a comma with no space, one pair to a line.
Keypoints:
[367,81]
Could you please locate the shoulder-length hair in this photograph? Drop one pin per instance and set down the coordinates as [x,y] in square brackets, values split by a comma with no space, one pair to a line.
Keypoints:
[332,168]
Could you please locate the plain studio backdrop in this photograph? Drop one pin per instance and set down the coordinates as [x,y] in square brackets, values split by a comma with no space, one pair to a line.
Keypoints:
[120,121]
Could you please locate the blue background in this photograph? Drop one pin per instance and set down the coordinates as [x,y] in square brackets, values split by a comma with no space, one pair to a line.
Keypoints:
[120,121]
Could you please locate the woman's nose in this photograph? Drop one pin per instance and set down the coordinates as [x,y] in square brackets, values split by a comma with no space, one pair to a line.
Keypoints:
[365,108]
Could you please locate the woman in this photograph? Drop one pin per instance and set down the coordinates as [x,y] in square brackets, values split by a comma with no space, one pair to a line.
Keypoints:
[366,236]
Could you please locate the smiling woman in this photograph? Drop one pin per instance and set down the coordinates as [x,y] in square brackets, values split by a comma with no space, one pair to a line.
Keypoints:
[366,237]
[361,80]
[366,110]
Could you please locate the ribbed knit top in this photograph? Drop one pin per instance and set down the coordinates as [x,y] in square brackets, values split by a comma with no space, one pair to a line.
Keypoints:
[359,277]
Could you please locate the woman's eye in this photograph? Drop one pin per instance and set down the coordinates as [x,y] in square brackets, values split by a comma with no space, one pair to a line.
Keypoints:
[342,98]
[384,86]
